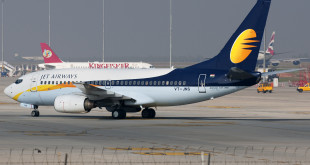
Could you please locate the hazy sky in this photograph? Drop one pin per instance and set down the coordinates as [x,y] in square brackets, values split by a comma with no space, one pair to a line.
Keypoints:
[138,30]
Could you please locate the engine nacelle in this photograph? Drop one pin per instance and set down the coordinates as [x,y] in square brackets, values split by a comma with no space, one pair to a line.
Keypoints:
[296,62]
[73,104]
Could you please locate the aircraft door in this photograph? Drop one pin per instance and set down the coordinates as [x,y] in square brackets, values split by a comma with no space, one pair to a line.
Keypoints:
[33,84]
[108,84]
[202,83]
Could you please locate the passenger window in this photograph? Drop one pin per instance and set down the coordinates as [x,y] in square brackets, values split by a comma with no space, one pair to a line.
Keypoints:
[175,83]
[49,82]
[138,82]
[64,82]
[151,82]
[56,82]
[60,82]
[184,82]
[126,82]
[103,83]
[142,82]
[180,82]
[155,82]
[68,82]
[146,83]
[41,82]
[112,82]
[122,82]
[117,82]
[171,82]
[44,82]
[53,82]
[163,83]
[167,82]
[130,82]
[134,83]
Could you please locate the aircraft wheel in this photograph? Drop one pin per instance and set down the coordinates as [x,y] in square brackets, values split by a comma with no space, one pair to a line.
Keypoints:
[148,113]
[119,114]
[35,113]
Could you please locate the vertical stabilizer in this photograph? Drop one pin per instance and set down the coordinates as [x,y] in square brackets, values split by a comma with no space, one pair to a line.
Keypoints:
[241,50]
[270,49]
[48,54]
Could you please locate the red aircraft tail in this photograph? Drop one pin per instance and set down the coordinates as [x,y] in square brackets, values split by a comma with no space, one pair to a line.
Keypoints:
[48,54]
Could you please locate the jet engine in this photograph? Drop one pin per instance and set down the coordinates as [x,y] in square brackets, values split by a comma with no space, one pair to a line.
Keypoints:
[73,104]
[296,62]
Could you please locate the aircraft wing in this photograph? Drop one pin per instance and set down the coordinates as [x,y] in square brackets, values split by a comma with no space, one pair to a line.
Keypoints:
[281,71]
[95,93]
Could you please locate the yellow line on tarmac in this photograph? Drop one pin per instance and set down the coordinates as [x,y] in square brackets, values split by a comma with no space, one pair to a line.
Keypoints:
[170,153]
[220,107]
[145,149]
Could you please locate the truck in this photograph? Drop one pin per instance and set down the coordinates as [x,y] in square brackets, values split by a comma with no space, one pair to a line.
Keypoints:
[265,87]
[304,88]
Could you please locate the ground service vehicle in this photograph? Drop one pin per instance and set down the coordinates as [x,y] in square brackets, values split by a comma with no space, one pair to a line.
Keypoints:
[265,87]
[304,88]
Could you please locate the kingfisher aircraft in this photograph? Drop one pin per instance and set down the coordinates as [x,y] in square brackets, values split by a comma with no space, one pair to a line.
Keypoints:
[121,90]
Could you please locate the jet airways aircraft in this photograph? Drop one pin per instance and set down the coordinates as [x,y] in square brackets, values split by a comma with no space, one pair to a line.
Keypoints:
[132,90]
[52,61]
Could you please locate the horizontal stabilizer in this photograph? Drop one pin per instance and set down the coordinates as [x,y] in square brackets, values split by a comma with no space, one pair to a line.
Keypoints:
[238,74]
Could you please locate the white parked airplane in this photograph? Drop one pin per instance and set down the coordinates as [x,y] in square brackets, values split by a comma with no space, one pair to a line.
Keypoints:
[131,90]
[52,61]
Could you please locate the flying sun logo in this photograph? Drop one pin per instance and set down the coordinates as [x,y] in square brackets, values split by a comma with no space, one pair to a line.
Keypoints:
[47,53]
[241,49]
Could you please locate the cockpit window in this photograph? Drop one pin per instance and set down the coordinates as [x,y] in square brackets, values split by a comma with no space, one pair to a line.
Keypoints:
[18,81]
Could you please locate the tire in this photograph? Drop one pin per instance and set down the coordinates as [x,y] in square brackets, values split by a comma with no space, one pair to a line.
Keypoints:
[257,91]
[119,114]
[264,91]
[35,113]
[270,91]
[148,113]
[300,90]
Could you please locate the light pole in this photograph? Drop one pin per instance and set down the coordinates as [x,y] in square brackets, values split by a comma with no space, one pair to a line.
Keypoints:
[49,22]
[2,2]
[170,47]
[264,63]
[102,30]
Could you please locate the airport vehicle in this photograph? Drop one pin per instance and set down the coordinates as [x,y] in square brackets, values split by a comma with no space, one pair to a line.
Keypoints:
[131,90]
[265,87]
[52,61]
[304,88]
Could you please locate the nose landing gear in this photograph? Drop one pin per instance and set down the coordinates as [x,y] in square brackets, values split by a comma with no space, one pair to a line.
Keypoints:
[35,112]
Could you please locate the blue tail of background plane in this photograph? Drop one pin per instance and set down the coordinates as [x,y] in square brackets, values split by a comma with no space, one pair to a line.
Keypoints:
[241,50]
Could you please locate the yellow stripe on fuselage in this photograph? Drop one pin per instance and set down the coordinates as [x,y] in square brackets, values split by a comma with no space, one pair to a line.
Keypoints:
[41,88]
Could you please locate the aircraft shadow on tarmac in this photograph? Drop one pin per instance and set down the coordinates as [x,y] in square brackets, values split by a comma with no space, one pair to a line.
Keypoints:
[168,118]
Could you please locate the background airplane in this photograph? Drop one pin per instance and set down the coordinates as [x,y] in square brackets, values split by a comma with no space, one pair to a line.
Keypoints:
[52,61]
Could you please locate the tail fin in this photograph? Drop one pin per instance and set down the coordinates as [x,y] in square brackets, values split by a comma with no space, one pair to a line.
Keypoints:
[48,54]
[270,49]
[242,48]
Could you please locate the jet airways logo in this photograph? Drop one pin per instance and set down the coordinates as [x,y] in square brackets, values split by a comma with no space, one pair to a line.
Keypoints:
[241,49]
[47,53]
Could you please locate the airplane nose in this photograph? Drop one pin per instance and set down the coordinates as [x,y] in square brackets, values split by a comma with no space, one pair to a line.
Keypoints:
[8,91]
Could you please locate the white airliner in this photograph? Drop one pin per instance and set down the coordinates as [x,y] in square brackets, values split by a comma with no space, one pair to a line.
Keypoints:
[52,61]
[132,90]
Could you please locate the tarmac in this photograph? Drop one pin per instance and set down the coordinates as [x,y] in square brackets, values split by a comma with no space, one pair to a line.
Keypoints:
[245,118]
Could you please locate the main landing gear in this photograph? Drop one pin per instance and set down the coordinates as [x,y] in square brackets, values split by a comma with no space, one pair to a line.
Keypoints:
[35,112]
[147,113]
